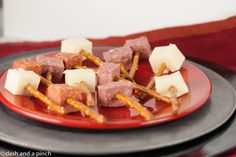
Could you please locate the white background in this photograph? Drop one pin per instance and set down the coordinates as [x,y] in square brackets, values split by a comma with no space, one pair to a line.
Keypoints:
[55,19]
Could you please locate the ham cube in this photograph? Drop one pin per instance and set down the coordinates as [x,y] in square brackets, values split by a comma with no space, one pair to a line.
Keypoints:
[141,45]
[18,79]
[119,55]
[107,72]
[60,92]
[53,65]
[74,77]
[163,83]
[106,93]
[170,55]
[75,45]
[69,59]
[28,64]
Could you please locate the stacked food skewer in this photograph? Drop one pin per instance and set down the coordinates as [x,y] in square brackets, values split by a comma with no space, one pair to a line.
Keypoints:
[113,80]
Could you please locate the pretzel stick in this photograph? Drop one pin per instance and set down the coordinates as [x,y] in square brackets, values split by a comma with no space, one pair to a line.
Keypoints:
[85,109]
[79,67]
[133,104]
[51,104]
[85,89]
[92,58]
[49,76]
[134,66]
[148,91]
[174,101]
[123,69]
[151,84]
[78,106]
[45,81]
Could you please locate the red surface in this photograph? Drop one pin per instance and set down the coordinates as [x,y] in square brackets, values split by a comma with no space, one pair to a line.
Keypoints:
[213,42]
[122,117]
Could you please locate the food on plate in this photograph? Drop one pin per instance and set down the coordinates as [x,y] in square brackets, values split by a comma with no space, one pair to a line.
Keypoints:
[18,79]
[28,64]
[107,92]
[75,92]
[59,92]
[21,82]
[69,59]
[107,72]
[116,94]
[74,77]
[76,45]
[164,59]
[119,55]
[52,65]
[163,83]
[141,48]
[170,55]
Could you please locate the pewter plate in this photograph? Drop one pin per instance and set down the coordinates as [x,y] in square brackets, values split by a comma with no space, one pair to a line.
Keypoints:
[20,131]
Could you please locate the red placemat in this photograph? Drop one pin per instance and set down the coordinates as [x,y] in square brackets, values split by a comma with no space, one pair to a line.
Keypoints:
[213,41]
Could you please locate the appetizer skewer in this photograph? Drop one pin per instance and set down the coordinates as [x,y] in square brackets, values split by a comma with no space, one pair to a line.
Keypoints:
[77,104]
[141,48]
[93,58]
[21,82]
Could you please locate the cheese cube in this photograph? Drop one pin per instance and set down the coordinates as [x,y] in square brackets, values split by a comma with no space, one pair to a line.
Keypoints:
[163,83]
[74,77]
[170,55]
[75,45]
[18,79]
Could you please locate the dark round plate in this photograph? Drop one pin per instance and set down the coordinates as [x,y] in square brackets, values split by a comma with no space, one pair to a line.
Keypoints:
[121,117]
[23,132]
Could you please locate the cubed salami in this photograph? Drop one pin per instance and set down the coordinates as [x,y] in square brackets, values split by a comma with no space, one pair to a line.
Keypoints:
[60,92]
[106,93]
[28,64]
[119,55]
[54,65]
[141,45]
[69,59]
[107,72]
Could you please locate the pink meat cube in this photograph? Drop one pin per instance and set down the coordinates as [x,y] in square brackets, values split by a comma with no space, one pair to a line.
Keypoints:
[69,59]
[60,92]
[107,72]
[54,65]
[141,45]
[28,64]
[106,93]
[119,55]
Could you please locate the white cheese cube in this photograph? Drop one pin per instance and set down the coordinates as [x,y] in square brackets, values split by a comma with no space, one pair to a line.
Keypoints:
[74,77]
[163,83]
[170,55]
[75,45]
[17,79]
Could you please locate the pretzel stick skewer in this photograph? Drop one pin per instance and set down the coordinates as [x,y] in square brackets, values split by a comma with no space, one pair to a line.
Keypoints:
[83,108]
[92,114]
[134,66]
[174,101]
[51,104]
[84,87]
[92,58]
[138,107]
[49,76]
[151,84]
